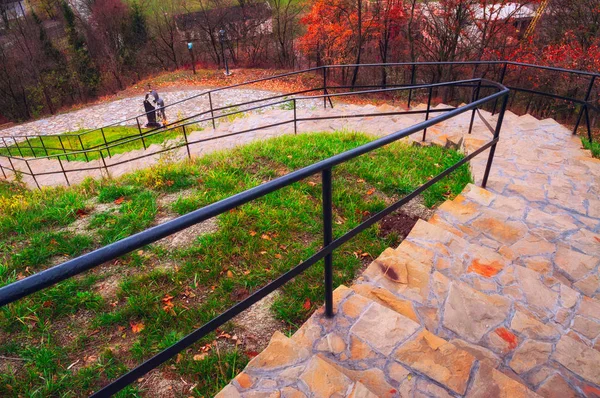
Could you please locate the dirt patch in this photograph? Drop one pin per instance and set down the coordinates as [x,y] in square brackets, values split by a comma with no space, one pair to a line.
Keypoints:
[398,223]
[188,235]
[165,385]
[108,287]
[166,199]
[417,208]
[256,325]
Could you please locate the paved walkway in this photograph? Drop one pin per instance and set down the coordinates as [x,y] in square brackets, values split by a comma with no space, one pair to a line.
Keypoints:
[116,111]
[498,295]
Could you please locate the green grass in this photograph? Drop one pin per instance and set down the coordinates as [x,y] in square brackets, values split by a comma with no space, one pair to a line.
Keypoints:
[77,320]
[593,146]
[54,143]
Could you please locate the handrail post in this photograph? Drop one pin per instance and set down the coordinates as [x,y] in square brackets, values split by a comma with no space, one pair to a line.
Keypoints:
[488,166]
[212,113]
[187,145]
[82,148]
[587,122]
[62,145]
[412,83]
[586,99]
[104,163]
[105,143]
[427,113]
[502,74]
[3,173]
[327,239]
[31,174]
[140,130]
[6,146]
[474,98]
[30,147]
[295,118]
[63,170]
[18,148]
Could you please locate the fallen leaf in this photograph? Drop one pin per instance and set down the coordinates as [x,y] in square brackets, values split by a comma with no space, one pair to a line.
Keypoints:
[252,233]
[136,327]
[199,357]
[279,256]
[371,191]
[312,183]
[360,181]
[229,274]
[265,237]
[306,304]
[119,200]
[263,252]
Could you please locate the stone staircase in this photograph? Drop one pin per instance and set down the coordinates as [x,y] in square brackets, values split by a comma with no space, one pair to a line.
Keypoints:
[497,295]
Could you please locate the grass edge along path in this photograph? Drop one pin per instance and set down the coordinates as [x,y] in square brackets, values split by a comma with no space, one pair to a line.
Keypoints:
[72,338]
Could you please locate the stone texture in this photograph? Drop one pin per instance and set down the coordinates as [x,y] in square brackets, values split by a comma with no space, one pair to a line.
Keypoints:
[383,328]
[586,327]
[578,358]
[324,380]
[556,387]
[387,299]
[576,265]
[536,293]
[529,355]
[488,382]
[438,359]
[472,314]
[360,391]
[281,351]
[482,354]
[392,266]
[530,327]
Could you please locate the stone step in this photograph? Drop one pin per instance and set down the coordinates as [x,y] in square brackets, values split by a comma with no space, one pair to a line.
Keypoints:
[367,350]
[557,244]
[502,313]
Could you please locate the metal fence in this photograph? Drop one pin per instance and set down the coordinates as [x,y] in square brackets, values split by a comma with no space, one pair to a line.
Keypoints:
[51,276]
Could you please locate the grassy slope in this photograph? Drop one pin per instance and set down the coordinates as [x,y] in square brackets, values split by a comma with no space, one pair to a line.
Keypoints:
[92,139]
[78,321]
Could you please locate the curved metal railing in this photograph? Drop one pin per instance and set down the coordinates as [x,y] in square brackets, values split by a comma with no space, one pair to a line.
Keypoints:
[53,275]
[423,72]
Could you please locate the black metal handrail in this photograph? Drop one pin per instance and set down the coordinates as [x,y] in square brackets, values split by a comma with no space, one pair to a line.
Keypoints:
[584,102]
[187,143]
[51,276]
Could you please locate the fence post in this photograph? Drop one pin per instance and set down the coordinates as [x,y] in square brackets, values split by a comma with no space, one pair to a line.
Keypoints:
[6,146]
[43,145]
[31,173]
[105,143]
[295,119]
[212,113]
[412,83]
[496,136]
[427,113]
[63,170]
[30,147]
[501,82]
[187,145]
[586,99]
[474,98]
[62,145]
[82,148]
[327,239]
[3,173]
[140,130]
[18,148]
[104,163]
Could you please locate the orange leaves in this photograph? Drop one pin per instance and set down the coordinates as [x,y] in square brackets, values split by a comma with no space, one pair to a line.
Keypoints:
[137,327]
[168,304]
[265,237]
[371,191]
[307,304]
[119,200]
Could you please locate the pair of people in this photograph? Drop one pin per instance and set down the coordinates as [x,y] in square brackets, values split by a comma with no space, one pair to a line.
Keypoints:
[158,106]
